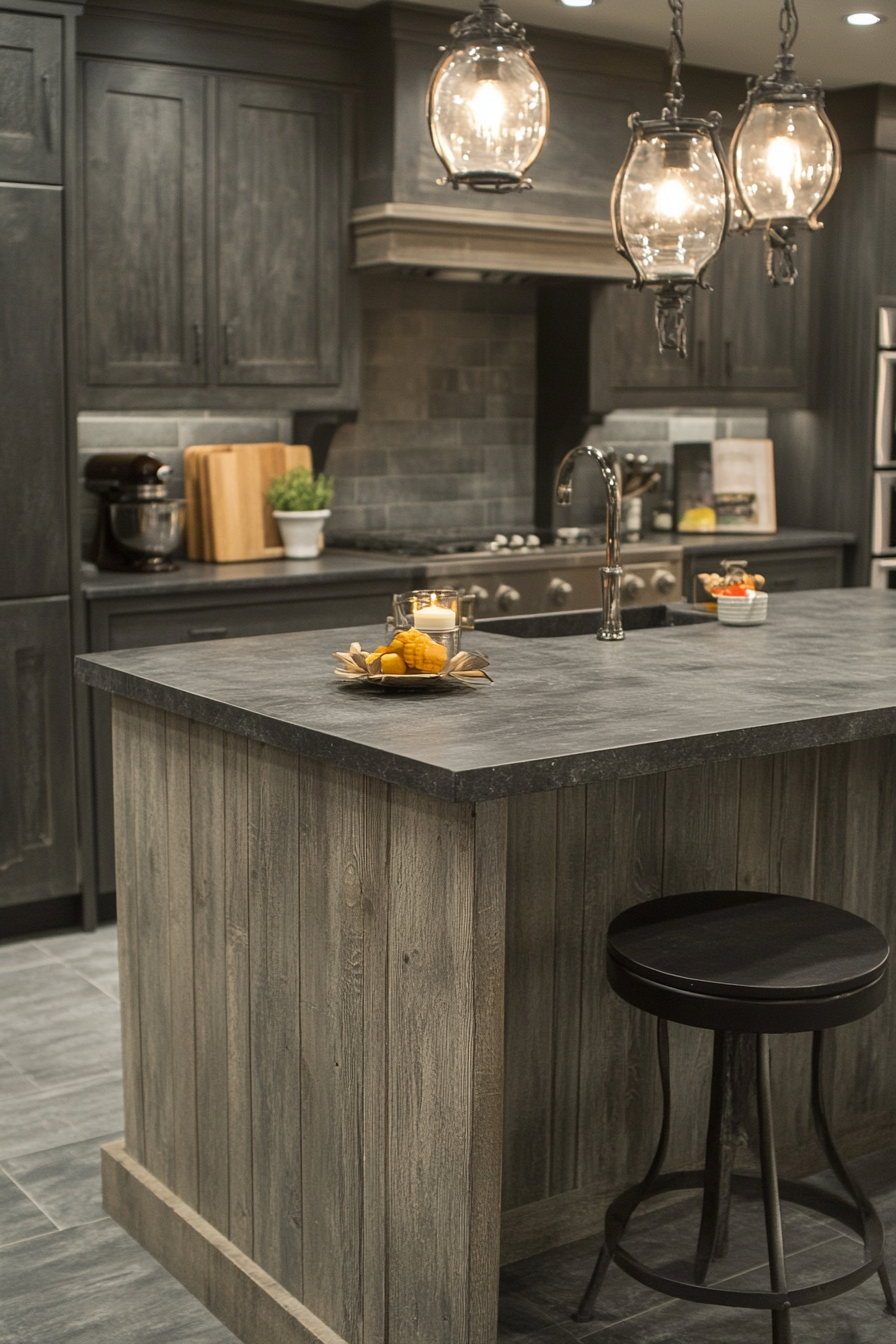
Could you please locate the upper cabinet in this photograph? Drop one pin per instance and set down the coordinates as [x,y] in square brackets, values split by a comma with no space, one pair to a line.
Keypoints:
[144,224]
[747,340]
[278,219]
[30,98]
[214,240]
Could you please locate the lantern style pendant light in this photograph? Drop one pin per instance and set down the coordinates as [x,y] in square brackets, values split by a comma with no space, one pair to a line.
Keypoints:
[785,155]
[672,201]
[487,104]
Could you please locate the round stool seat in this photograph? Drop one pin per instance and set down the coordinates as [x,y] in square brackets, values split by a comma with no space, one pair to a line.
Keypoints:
[747,962]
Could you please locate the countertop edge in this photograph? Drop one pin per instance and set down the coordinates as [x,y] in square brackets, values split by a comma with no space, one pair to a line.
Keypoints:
[492,782]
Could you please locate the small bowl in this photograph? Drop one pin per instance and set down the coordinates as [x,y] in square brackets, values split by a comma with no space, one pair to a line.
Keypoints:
[743,610]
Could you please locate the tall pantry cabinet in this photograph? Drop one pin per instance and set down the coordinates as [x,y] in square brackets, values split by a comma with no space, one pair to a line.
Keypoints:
[38,806]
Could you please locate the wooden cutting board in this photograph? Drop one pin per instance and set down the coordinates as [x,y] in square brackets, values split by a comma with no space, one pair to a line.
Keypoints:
[228,516]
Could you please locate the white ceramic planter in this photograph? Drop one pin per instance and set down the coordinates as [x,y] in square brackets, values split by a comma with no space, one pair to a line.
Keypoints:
[302,533]
[743,610]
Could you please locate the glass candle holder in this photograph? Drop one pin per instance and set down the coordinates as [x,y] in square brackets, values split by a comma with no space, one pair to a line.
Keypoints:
[437,611]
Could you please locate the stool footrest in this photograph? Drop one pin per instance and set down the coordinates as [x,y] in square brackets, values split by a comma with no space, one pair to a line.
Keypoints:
[867,1225]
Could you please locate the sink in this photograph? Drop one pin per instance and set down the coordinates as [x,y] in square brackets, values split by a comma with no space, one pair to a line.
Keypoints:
[556,624]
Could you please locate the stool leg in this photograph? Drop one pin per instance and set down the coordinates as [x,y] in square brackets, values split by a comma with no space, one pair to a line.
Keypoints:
[712,1242]
[770,1198]
[613,1235]
[838,1166]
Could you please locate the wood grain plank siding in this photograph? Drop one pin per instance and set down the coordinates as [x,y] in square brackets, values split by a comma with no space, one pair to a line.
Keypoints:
[210,970]
[236,915]
[332,862]
[274,1013]
[569,896]
[127,721]
[529,997]
[488,1053]
[150,824]
[701,828]
[431,1067]
[375,1045]
[183,1011]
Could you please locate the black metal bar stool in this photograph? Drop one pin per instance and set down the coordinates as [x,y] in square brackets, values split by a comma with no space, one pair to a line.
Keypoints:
[746,965]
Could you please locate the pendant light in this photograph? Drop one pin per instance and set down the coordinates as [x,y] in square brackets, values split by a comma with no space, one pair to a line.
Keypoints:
[785,155]
[672,201]
[487,104]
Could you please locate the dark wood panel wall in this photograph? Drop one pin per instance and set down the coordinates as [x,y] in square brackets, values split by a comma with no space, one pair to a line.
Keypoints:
[581,1087]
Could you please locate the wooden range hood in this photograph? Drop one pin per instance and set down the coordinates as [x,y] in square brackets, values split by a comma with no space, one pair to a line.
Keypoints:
[403,220]
[477,244]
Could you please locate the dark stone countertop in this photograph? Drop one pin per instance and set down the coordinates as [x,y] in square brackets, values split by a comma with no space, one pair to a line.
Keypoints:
[195,576]
[562,711]
[746,543]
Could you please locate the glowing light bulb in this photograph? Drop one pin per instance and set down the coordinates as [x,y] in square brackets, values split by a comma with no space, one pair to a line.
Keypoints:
[673,199]
[489,109]
[862,19]
[786,164]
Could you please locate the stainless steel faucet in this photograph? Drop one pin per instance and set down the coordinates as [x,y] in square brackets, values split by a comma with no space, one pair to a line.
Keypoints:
[611,572]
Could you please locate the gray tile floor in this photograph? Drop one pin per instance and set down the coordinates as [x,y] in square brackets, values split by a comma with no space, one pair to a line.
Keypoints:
[69,1275]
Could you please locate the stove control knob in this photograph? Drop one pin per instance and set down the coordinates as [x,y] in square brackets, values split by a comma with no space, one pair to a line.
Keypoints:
[507,597]
[559,592]
[632,587]
[664,581]
[476,590]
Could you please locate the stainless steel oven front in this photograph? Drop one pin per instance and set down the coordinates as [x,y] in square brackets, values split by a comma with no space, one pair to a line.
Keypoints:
[884,513]
[883,573]
[885,426]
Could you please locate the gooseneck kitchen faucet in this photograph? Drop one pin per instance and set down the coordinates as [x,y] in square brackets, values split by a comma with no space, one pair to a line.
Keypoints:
[611,572]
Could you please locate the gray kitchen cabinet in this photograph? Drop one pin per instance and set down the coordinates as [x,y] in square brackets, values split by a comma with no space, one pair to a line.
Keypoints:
[747,341]
[144,224]
[30,98]
[784,571]
[38,817]
[143,622]
[34,559]
[278,225]
[214,235]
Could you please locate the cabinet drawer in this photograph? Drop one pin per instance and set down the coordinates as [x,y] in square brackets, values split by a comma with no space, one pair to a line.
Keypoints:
[145,629]
[784,571]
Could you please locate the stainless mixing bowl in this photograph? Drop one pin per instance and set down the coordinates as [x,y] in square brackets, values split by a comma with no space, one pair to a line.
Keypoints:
[151,528]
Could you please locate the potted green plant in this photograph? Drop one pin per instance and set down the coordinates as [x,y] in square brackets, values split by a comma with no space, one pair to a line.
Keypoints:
[301,504]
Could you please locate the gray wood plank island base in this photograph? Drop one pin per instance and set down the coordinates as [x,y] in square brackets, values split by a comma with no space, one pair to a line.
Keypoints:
[369,1053]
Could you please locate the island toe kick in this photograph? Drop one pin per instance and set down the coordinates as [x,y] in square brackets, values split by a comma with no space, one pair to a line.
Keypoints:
[369,1051]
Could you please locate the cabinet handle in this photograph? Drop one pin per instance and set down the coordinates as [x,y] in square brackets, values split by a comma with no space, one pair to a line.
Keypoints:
[47,100]
[208,632]
[229,333]
[197,342]
[701,361]
[729,374]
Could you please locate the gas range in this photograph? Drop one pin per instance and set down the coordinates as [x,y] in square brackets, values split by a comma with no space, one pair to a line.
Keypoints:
[534,571]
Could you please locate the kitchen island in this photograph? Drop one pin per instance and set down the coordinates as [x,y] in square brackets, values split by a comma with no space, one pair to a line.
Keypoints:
[369,1052]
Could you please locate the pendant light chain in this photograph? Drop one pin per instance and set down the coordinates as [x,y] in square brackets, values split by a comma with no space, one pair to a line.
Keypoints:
[789,26]
[675,96]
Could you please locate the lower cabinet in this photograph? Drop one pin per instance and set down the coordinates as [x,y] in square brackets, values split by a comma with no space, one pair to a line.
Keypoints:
[143,622]
[783,571]
[38,808]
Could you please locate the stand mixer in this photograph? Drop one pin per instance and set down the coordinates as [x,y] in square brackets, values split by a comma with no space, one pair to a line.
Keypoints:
[139,527]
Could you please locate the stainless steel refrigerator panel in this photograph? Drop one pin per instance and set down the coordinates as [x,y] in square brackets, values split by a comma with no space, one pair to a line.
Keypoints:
[885,423]
[884,536]
[886,328]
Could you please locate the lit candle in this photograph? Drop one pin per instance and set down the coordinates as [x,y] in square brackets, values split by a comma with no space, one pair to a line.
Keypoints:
[434,617]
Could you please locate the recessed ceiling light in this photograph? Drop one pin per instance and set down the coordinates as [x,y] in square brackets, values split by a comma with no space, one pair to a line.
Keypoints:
[578,4]
[864,19]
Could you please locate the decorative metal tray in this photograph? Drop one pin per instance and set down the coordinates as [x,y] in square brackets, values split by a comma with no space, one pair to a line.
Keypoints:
[464,669]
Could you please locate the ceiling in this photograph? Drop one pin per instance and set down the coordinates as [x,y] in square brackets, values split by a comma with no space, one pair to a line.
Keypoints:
[737,35]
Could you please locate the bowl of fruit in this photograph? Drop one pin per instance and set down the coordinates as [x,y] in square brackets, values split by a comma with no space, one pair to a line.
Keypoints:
[738,595]
[412,661]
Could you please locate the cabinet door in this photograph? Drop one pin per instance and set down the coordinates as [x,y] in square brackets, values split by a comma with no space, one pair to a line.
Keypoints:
[30,98]
[144,222]
[636,358]
[280,234]
[33,521]
[38,828]
[761,329]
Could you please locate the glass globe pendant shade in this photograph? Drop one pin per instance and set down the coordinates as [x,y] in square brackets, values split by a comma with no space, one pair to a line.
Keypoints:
[670,202]
[785,156]
[487,104]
